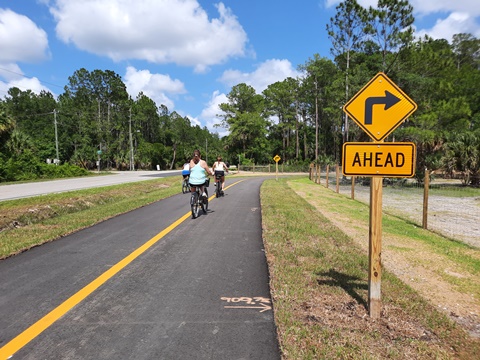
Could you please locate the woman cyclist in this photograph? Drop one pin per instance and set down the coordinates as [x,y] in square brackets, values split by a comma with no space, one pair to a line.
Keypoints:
[219,168]
[199,172]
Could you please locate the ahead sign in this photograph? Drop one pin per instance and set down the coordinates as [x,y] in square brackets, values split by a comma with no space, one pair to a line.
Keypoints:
[380,107]
[379,159]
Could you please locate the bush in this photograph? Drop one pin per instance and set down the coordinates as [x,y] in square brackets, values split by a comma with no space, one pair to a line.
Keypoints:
[50,171]
[26,166]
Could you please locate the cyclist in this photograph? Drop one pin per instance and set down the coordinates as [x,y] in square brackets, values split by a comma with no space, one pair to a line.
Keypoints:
[199,172]
[186,170]
[219,168]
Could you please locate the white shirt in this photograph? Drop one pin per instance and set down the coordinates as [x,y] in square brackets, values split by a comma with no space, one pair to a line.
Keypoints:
[219,166]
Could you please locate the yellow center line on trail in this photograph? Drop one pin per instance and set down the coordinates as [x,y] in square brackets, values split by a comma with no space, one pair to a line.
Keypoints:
[41,325]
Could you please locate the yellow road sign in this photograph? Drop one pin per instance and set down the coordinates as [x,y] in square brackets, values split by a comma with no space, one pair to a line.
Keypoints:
[379,159]
[380,107]
[277,158]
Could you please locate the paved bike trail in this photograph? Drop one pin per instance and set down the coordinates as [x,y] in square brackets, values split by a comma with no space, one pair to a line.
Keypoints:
[199,291]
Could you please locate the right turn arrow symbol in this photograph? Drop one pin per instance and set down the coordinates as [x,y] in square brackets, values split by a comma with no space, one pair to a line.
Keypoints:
[388,100]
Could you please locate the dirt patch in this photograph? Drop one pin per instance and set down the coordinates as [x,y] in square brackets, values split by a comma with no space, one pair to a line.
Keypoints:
[415,265]
[456,218]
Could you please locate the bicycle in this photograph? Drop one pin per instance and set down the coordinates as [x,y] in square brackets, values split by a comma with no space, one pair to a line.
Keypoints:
[197,201]
[218,185]
[186,185]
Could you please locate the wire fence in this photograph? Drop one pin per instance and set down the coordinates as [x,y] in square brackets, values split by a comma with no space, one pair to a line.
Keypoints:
[272,168]
[441,205]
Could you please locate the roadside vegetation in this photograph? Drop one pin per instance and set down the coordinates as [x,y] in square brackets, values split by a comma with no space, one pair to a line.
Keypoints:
[319,283]
[29,222]
[318,273]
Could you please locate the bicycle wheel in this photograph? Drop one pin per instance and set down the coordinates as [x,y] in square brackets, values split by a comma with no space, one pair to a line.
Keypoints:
[194,205]
[218,188]
[205,202]
[185,187]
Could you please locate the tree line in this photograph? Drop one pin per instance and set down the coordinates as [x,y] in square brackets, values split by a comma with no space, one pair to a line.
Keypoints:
[95,124]
[300,119]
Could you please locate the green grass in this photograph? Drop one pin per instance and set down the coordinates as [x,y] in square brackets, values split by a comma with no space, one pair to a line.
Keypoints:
[32,221]
[319,284]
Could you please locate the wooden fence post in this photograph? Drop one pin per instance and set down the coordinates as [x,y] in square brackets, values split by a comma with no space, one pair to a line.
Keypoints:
[426,185]
[328,170]
[338,177]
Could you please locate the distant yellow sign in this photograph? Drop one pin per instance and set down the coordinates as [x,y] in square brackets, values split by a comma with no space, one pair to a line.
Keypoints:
[277,158]
[379,159]
[380,107]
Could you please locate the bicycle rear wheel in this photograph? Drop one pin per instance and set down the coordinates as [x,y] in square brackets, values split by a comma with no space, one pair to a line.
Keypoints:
[218,188]
[185,187]
[194,205]
[205,202]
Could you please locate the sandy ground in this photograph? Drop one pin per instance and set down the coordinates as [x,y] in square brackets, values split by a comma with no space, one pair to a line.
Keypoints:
[454,217]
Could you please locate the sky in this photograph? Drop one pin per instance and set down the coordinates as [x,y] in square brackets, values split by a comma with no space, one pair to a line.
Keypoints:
[185,54]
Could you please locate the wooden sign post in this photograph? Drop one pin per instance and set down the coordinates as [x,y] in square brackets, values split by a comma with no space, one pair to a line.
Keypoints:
[375,248]
[276,159]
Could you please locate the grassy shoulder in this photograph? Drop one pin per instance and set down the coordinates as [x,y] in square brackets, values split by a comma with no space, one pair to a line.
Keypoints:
[319,284]
[29,222]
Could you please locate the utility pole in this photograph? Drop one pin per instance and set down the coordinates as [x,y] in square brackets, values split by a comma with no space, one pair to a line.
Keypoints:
[132,165]
[56,134]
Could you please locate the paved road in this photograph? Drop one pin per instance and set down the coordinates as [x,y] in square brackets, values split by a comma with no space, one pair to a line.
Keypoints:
[149,284]
[16,191]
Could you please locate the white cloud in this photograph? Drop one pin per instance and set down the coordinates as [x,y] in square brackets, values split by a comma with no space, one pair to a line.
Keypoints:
[194,121]
[210,112]
[13,77]
[450,17]
[423,7]
[167,31]
[365,3]
[155,86]
[21,39]
[266,73]
[455,23]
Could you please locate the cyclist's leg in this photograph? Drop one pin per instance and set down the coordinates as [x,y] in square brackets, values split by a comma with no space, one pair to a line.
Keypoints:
[223,182]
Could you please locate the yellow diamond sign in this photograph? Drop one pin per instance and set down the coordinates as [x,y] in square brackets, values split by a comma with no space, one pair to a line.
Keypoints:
[380,107]
[277,158]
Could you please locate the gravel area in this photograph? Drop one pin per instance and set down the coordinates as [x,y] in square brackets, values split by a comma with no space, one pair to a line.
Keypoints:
[455,217]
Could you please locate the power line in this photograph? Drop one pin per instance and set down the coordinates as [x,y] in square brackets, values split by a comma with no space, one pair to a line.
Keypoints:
[29,77]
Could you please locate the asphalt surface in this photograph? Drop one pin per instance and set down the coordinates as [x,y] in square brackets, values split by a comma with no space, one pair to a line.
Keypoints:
[150,284]
[17,191]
